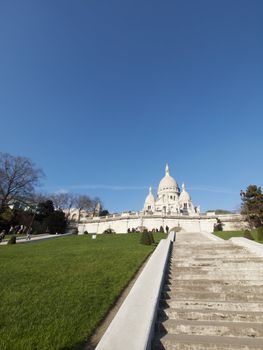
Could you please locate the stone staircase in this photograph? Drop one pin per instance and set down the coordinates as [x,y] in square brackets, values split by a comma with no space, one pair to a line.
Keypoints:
[212,298]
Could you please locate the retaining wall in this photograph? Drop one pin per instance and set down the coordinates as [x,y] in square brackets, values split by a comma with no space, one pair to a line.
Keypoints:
[133,326]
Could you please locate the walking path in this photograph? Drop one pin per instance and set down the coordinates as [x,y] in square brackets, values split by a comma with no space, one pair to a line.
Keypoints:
[212,298]
[35,238]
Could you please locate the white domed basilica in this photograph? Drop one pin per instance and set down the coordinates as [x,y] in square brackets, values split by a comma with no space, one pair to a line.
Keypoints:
[169,200]
[171,209]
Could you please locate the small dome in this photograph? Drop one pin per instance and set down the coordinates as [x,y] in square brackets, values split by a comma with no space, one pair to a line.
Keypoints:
[168,182]
[184,196]
[150,198]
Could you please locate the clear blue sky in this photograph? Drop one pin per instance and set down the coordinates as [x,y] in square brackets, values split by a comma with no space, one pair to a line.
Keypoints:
[101,94]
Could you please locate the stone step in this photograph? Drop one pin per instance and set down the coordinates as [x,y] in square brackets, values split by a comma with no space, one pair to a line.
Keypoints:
[203,295]
[220,275]
[206,245]
[197,262]
[195,270]
[211,328]
[207,315]
[212,298]
[241,258]
[246,291]
[215,272]
[207,259]
[215,283]
[213,305]
[198,251]
[193,342]
[215,267]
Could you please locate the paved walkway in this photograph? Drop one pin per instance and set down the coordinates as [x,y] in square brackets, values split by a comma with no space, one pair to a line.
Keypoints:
[212,299]
[35,238]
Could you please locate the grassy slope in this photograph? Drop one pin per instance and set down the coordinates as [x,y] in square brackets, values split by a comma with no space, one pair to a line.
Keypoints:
[229,234]
[53,293]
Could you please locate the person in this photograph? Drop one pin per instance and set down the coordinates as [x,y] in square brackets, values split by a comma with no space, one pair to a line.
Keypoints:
[28,236]
[2,236]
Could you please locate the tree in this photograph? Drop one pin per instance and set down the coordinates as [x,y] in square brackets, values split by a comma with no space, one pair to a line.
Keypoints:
[42,213]
[44,209]
[18,178]
[63,200]
[57,222]
[84,202]
[146,238]
[252,205]
[104,212]
[218,226]
[6,218]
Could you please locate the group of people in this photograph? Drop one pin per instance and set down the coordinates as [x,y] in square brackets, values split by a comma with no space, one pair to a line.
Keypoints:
[3,233]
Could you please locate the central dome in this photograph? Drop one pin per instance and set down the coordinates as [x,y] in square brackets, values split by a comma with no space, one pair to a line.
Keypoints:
[168,183]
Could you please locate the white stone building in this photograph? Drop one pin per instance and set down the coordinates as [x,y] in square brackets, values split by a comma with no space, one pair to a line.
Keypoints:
[171,208]
[169,200]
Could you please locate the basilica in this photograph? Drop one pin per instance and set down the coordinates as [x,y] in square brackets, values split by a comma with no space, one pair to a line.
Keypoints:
[171,208]
[170,199]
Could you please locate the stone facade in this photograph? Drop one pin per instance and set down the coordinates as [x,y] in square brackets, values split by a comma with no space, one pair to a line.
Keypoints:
[171,208]
[170,199]
[125,222]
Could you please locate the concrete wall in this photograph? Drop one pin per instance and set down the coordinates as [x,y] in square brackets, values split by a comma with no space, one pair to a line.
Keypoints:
[120,223]
[254,247]
[133,326]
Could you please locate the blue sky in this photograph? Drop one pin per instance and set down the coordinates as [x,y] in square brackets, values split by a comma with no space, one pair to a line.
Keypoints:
[101,94]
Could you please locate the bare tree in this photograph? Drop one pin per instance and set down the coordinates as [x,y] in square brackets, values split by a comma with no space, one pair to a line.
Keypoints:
[38,197]
[63,200]
[83,202]
[18,178]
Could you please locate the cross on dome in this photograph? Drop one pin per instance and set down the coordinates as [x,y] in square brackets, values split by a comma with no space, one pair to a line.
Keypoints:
[167,170]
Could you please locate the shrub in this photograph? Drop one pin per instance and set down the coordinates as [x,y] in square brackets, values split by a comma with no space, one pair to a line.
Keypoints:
[146,238]
[248,235]
[218,226]
[109,231]
[12,240]
[151,237]
[86,233]
[161,229]
[260,233]
[75,231]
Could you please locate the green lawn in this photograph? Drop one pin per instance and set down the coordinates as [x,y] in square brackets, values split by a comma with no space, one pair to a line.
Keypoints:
[54,293]
[229,234]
